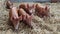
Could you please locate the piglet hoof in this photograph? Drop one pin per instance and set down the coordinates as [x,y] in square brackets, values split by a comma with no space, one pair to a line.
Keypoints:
[16,31]
[32,25]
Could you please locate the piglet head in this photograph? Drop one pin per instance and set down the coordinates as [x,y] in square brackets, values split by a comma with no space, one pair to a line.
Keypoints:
[31,8]
[16,22]
[47,9]
[9,4]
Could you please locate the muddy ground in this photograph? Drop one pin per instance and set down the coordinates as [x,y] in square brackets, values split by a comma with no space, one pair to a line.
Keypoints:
[45,25]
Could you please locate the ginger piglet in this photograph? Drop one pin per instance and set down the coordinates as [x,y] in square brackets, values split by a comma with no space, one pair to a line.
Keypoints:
[14,18]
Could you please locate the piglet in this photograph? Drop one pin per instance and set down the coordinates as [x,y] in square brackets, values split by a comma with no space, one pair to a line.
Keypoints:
[9,4]
[14,18]
[25,17]
[42,10]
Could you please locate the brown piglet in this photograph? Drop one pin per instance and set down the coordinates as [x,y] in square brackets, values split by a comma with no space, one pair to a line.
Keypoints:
[42,10]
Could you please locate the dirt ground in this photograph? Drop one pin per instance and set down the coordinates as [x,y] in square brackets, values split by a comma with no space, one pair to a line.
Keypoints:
[45,25]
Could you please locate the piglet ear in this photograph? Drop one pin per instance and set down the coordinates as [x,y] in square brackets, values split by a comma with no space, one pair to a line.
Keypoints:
[36,5]
[33,6]
[46,8]
[28,5]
